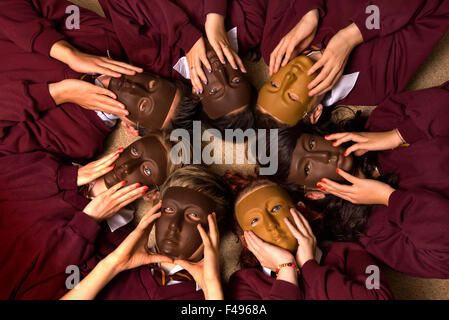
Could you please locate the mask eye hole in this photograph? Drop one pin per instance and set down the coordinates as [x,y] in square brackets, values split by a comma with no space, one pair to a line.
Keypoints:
[147,171]
[143,105]
[312,143]
[168,210]
[293,96]
[236,80]
[151,84]
[194,216]
[275,84]
[307,169]
[214,90]
[254,222]
[134,151]
[276,208]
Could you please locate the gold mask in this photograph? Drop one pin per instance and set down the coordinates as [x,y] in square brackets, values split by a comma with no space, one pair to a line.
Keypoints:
[286,96]
[262,211]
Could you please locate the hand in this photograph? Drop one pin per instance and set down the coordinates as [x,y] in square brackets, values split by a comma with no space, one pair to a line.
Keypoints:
[195,58]
[367,141]
[269,256]
[97,169]
[218,39]
[303,233]
[132,252]
[207,272]
[334,60]
[87,95]
[87,63]
[294,42]
[362,191]
[112,200]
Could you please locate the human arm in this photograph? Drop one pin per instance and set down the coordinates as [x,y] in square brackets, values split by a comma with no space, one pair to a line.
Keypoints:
[131,253]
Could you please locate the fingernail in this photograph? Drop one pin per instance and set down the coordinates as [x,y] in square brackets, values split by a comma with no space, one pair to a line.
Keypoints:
[323,181]
[337,170]
[112,167]
[205,82]
[235,67]
[345,154]
[209,70]
[327,136]
[124,182]
[145,189]
[197,91]
[201,91]
[138,185]
[322,189]
[319,185]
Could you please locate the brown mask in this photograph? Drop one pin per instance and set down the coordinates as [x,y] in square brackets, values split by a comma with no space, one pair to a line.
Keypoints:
[182,209]
[263,211]
[315,158]
[286,96]
[144,162]
[227,89]
[147,97]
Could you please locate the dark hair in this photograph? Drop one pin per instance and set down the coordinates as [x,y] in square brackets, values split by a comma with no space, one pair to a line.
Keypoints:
[343,220]
[243,119]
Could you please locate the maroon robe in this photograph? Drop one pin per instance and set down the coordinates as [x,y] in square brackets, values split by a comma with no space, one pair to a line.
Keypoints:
[388,57]
[28,30]
[411,234]
[30,121]
[157,33]
[341,275]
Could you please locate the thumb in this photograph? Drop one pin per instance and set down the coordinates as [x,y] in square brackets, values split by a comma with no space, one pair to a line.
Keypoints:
[157,258]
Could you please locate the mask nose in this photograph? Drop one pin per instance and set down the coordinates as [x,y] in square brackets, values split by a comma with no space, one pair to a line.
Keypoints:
[325,157]
[270,223]
[175,225]
[126,168]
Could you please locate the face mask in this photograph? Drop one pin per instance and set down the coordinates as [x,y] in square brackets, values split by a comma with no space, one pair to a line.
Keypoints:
[182,209]
[286,96]
[262,211]
[315,158]
[144,162]
[147,97]
[227,89]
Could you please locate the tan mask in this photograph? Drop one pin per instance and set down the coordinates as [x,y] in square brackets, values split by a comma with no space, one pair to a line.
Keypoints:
[262,211]
[286,96]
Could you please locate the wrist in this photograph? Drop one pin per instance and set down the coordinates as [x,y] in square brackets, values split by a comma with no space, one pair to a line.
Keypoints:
[399,140]
[352,35]
[57,92]
[112,264]
[62,51]
[386,197]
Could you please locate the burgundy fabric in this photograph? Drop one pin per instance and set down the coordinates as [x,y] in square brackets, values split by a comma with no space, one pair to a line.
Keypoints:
[157,33]
[389,56]
[340,275]
[30,120]
[42,227]
[410,235]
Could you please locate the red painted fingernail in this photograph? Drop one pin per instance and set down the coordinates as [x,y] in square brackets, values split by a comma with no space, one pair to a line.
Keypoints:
[336,170]
[319,185]
[112,167]
[322,189]
[345,154]
[145,189]
[327,136]
[138,185]
[124,182]
[322,180]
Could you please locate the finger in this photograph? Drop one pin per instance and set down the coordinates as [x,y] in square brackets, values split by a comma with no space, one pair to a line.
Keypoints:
[326,84]
[196,83]
[206,63]
[130,192]
[336,136]
[218,50]
[295,232]
[299,222]
[105,92]
[128,198]
[319,64]
[239,62]
[213,230]
[107,72]
[328,184]
[251,245]
[288,54]
[123,64]
[201,73]
[108,105]
[274,56]
[157,258]
[347,176]
[108,159]
[206,241]
[305,224]
[117,68]
[185,265]
[360,153]
[230,57]
[113,189]
[279,56]
[321,76]
[354,148]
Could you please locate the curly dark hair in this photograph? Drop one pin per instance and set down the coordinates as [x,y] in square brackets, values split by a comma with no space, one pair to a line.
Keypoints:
[343,220]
